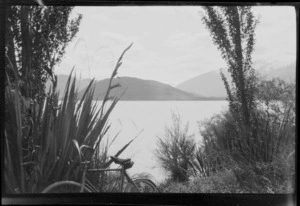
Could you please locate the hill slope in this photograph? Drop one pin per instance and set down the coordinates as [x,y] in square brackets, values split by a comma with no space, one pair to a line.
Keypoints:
[207,84]
[287,73]
[138,89]
[211,84]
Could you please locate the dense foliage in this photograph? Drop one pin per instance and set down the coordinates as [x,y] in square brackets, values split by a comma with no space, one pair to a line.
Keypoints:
[251,138]
[36,38]
[51,148]
[218,165]
[45,138]
[251,146]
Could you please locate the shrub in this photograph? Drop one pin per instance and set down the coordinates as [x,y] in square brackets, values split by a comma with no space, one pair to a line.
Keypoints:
[220,182]
[176,149]
[265,177]
[213,155]
[171,186]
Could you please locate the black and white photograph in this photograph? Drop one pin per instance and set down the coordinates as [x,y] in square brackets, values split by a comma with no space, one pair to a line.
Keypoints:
[150,99]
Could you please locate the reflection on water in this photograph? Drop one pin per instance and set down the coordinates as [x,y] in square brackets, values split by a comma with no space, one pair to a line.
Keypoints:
[131,117]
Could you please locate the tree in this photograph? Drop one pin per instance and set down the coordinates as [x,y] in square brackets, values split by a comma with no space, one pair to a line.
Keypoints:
[232,29]
[176,149]
[36,38]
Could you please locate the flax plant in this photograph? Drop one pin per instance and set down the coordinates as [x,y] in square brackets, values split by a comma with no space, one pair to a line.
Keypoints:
[59,136]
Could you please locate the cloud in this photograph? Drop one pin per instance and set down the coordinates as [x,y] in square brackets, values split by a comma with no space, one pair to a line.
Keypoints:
[114,38]
[184,39]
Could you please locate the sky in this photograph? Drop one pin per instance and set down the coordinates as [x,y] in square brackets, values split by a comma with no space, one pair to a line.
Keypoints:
[170,43]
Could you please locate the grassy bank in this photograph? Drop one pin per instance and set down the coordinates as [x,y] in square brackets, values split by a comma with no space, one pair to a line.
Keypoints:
[267,179]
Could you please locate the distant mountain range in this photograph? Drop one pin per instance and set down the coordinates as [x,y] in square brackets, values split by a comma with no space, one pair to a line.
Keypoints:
[139,89]
[207,86]
[287,72]
[211,83]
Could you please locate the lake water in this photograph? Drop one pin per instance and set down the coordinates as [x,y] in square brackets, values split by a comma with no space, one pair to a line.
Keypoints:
[151,117]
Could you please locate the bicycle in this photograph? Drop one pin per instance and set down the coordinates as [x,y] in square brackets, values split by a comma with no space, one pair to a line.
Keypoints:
[136,185]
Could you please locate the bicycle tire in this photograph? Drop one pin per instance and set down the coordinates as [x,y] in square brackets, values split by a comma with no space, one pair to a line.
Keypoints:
[65,187]
[144,185]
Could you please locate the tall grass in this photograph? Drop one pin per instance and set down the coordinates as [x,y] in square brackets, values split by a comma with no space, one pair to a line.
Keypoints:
[59,134]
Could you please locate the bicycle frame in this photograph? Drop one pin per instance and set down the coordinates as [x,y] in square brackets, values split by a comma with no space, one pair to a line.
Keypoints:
[87,186]
[123,172]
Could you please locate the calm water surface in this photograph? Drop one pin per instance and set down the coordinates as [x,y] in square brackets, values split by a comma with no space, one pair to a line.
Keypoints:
[131,117]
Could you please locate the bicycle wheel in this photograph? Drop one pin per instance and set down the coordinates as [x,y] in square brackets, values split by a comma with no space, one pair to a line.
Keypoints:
[144,185]
[65,187]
